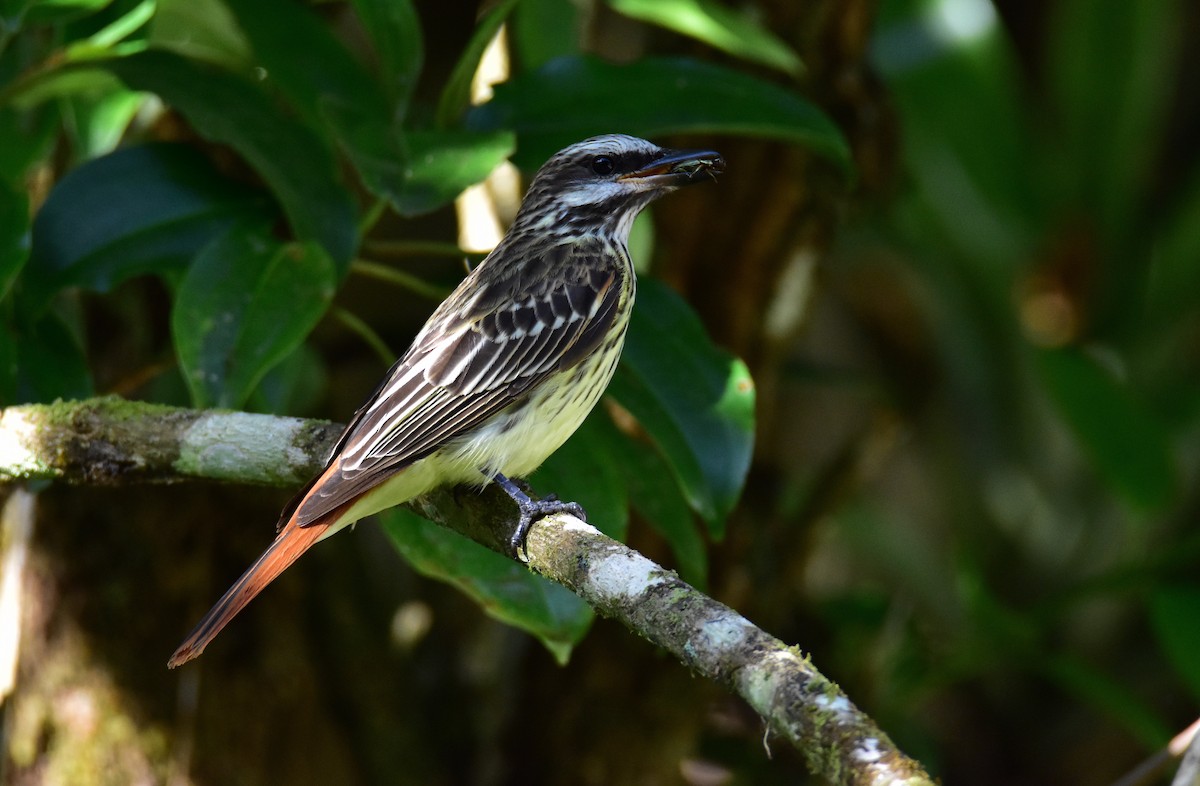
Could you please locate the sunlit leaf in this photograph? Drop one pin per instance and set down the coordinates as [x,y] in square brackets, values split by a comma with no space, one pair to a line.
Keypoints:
[443,163]
[202,30]
[503,588]
[297,165]
[149,209]
[695,401]
[246,302]
[717,25]
[576,97]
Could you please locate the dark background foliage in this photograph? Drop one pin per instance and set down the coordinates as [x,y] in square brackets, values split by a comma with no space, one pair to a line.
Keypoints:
[957,247]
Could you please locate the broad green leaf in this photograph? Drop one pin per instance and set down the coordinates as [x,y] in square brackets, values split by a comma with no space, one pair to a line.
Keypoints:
[503,588]
[246,302]
[201,30]
[456,95]
[149,209]
[14,235]
[443,163]
[50,362]
[395,29]
[1175,614]
[319,77]
[694,400]
[293,387]
[654,494]
[718,26]
[587,470]
[576,97]
[299,168]
[1127,445]
[542,30]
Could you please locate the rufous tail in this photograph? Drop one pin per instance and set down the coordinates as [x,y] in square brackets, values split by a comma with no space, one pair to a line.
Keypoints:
[292,541]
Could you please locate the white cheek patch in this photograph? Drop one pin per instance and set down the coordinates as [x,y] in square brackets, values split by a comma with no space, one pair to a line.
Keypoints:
[592,193]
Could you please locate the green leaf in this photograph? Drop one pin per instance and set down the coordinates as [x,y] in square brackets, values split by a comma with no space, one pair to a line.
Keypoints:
[319,77]
[587,470]
[395,29]
[456,95]
[293,387]
[718,26]
[246,303]
[296,164]
[14,235]
[1175,615]
[503,588]
[28,136]
[148,209]
[695,400]
[545,29]
[50,363]
[444,163]
[201,30]
[1127,445]
[654,494]
[576,97]
[956,81]
[97,123]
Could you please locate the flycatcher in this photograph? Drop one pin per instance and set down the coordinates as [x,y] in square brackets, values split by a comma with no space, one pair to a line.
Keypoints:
[505,369]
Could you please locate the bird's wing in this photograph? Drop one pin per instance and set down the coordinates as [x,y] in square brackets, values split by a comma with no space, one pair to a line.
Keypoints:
[468,364]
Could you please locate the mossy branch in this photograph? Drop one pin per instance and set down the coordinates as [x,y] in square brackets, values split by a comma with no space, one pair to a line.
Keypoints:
[112,441]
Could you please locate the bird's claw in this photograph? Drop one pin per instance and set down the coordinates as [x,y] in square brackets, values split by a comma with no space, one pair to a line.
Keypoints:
[531,511]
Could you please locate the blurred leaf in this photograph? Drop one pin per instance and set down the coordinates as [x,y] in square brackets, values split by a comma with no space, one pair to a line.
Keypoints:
[14,235]
[1113,66]
[718,26]
[456,95]
[245,304]
[46,11]
[296,164]
[149,209]
[327,85]
[201,30]
[50,363]
[587,470]
[98,124]
[503,588]
[1127,445]
[444,163]
[395,29]
[576,97]
[107,39]
[28,136]
[695,400]
[1175,274]
[1175,614]
[545,29]
[1112,696]
[956,81]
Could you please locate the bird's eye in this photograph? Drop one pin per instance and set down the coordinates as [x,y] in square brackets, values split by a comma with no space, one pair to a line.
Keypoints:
[603,165]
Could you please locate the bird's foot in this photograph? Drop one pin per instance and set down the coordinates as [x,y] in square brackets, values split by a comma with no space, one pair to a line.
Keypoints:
[531,510]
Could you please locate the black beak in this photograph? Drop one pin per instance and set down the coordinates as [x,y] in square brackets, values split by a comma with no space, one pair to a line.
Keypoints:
[679,168]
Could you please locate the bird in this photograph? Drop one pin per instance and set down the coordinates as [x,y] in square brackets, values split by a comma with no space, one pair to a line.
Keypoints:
[503,371]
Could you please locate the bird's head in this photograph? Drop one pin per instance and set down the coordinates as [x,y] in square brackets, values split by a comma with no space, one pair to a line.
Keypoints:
[599,185]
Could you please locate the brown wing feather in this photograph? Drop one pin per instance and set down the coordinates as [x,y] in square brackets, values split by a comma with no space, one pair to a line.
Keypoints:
[465,368]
